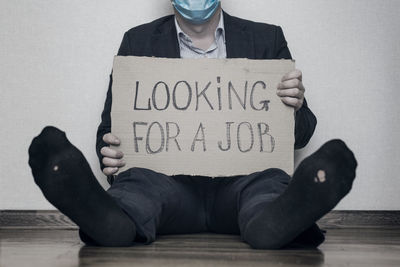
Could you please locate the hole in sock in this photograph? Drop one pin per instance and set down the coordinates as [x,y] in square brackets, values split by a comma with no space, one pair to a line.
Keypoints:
[321,177]
[55,168]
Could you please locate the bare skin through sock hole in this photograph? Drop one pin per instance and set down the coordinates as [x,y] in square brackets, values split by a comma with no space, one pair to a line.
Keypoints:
[55,168]
[321,177]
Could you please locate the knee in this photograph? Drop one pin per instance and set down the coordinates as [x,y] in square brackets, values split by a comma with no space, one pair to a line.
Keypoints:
[257,240]
[125,240]
[87,239]
[263,243]
[118,235]
[114,235]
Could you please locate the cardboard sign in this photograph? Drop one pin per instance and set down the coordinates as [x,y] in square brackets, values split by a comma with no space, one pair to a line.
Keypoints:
[209,117]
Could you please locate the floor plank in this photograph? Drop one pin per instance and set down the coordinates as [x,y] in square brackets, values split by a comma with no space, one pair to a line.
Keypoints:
[343,247]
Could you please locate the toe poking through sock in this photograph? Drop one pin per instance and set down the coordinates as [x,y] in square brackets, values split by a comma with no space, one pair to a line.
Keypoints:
[321,176]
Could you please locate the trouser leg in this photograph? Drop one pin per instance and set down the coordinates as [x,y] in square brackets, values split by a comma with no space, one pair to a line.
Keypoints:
[159,204]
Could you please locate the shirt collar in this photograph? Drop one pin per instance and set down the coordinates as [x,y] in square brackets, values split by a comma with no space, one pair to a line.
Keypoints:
[219,31]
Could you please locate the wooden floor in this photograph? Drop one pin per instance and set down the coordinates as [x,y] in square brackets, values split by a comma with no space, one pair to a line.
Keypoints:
[343,247]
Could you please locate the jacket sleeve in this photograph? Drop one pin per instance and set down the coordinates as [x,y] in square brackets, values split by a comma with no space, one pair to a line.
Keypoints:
[105,124]
[305,120]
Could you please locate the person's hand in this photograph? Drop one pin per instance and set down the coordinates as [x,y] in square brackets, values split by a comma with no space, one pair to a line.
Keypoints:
[113,159]
[291,89]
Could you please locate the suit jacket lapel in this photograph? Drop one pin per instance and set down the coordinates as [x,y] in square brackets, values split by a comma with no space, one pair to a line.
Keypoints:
[239,42]
[165,42]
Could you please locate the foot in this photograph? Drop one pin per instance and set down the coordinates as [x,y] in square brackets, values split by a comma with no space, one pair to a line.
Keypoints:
[317,186]
[66,180]
[56,163]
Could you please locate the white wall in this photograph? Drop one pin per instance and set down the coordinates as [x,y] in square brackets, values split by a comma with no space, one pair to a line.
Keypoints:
[55,58]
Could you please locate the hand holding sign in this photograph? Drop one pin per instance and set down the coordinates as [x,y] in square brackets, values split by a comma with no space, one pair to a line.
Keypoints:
[112,158]
[291,89]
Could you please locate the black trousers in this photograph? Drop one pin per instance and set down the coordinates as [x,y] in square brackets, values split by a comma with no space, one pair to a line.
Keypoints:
[160,204]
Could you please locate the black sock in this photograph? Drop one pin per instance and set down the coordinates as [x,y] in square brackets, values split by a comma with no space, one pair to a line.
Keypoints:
[66,180]
[317,186]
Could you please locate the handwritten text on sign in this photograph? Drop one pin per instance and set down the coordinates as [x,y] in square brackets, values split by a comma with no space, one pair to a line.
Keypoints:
[205,117]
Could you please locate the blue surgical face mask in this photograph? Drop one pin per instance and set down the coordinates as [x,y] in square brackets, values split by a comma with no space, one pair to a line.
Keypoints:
[196,11]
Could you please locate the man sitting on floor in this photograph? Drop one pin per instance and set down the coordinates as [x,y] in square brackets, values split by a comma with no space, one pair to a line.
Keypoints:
[269,209]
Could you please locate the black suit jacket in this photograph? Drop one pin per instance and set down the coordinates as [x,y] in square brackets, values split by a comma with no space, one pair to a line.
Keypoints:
[244,39]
